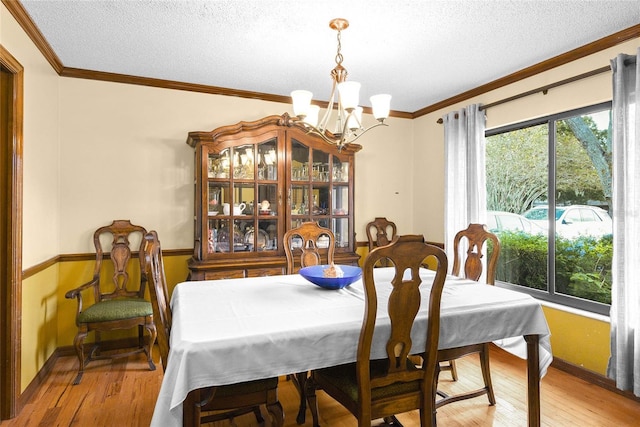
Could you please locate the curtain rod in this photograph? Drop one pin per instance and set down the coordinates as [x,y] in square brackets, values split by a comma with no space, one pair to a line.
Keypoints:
[543,89]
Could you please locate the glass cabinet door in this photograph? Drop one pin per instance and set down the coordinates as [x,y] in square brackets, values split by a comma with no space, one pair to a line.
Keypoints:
[319,190]
[242,199]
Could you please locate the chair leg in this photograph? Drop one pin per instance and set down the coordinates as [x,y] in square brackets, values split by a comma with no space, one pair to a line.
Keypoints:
[300,380]
[97,343]
[276,414]
[153,334]
[258,414]
[78,342]
[392,421]
[453,369]
[310,391]
[486,373]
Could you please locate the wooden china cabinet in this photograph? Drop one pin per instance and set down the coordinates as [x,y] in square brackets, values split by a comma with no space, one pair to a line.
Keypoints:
[256,180]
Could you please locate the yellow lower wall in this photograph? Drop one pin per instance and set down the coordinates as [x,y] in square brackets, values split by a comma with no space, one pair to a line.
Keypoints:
[48,319]
[39,338]
[579,340]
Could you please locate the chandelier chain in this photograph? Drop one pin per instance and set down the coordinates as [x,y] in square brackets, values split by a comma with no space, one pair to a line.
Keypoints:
[339,57]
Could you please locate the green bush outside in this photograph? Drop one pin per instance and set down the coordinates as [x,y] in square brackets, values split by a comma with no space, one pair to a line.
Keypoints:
[583,264]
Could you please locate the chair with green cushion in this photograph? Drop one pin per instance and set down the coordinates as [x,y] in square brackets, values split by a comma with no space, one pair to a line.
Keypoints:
[208,404]
[111,300]
[373,389]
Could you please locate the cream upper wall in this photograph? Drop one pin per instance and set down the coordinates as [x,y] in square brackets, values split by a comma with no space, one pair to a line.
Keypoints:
[97,151]
[41,193]
[89,144]
[124,156]
[429,136]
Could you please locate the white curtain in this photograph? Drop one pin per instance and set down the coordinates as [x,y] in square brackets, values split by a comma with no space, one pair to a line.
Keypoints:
[465,189]
[624,364]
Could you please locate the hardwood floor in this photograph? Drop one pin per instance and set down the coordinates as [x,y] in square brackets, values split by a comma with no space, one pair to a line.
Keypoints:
[123,393]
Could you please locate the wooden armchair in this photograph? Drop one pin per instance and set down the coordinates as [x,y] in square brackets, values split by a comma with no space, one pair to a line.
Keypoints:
[474,237]
[227,401]
[314,243]
[381,232]
[307,239]
[117,302]
[372,389]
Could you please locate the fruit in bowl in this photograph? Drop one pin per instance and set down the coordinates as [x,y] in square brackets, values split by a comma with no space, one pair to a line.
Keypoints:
[331,276]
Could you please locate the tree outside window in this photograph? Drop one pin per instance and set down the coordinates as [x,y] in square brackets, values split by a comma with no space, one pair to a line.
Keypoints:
[548,199]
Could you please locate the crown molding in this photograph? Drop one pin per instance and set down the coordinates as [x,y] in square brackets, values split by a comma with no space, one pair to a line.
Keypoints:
[24,20]
[556,61]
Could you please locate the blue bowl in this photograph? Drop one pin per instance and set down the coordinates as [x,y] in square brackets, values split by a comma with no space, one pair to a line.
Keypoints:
[315,274]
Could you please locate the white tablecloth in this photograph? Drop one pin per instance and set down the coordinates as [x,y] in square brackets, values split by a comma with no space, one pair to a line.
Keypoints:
[228,331]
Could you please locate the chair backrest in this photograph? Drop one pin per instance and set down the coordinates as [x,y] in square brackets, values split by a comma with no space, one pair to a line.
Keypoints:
[121,233]
[380,232]
[311,240]
[407,254]
[154,269]
[474,238]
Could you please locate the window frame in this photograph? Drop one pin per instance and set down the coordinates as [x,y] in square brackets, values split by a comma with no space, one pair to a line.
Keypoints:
[550,295]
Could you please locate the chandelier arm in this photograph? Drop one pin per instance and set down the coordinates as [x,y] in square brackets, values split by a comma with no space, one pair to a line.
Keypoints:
[314,130]
[342,141]
[356,136]
[329,111]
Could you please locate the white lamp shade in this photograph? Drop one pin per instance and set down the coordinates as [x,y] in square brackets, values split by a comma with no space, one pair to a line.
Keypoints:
[349,94]
[301,102]
[381,104]
[312,115]
[354,120]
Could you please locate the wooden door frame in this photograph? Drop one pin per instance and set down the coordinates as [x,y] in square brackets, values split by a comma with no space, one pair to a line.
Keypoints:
[11,223]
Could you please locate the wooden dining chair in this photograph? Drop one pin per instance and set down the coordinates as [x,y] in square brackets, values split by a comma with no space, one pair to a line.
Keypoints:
[305,246]
[114,298]
[469,245]
[228,401]
[372,389]
[380,232]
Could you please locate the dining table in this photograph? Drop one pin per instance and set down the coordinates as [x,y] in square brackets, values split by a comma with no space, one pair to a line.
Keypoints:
[233,330]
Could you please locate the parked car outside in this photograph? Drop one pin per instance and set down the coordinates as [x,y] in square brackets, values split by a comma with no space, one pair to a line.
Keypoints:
[498,221]
[573,221]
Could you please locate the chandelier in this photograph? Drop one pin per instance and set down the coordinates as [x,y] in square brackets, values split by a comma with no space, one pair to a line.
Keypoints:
[348,123]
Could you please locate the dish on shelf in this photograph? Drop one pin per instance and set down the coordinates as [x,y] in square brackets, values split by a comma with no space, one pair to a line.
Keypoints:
[237,247]
[261,241]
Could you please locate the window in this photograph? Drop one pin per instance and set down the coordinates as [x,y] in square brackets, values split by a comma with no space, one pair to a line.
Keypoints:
[553,176]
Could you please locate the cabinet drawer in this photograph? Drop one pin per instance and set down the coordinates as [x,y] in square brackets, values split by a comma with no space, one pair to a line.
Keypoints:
[261,272]
[224,274]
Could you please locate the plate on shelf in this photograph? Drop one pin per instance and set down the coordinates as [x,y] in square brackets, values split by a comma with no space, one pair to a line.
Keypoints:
[213,213]
[262,240]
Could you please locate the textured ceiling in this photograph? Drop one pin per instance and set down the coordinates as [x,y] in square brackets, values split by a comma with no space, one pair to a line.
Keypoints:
[421,52]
